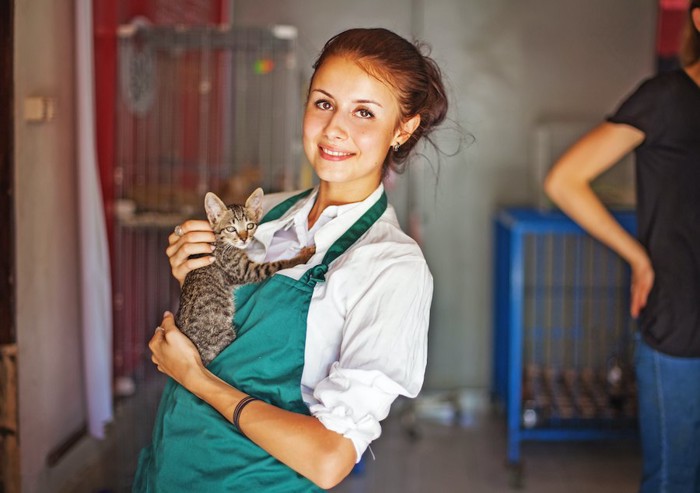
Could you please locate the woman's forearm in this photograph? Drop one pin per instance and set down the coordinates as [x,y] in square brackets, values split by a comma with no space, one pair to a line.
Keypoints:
[568,185]
[299,441]
[580,203]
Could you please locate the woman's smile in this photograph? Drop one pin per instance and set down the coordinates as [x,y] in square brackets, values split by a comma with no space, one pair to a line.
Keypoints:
[333,155]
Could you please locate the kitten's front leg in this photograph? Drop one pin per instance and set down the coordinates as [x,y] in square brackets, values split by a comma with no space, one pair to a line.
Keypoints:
[301,258]
[305,254]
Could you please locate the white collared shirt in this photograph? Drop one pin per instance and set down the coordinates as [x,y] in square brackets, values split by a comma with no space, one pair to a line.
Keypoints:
[367,326]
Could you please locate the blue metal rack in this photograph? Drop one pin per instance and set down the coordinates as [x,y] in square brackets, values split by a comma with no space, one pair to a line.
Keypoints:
[563,338]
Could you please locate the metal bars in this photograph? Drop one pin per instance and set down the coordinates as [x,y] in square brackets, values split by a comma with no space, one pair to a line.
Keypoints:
[563,338]
[199,109]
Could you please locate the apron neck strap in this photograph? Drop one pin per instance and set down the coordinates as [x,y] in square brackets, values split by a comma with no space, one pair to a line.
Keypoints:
[360,227]
[280,209]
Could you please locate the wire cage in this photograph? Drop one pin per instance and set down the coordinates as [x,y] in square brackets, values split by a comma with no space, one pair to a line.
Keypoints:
[563,338]
[203,108]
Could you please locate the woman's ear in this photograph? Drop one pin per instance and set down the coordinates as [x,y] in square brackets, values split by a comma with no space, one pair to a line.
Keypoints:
[407,128]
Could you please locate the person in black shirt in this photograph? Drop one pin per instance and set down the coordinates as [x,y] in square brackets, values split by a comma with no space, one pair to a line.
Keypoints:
[660,121]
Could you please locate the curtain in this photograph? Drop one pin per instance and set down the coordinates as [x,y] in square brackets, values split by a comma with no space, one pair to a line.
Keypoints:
[94,251]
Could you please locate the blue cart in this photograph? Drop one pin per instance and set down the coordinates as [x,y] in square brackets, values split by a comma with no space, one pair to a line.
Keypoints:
[563,337]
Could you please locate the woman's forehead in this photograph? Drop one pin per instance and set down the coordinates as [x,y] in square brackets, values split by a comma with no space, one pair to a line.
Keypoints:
[349,78]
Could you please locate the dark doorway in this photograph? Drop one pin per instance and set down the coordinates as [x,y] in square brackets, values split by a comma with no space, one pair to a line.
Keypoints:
[9,447]
[7,237]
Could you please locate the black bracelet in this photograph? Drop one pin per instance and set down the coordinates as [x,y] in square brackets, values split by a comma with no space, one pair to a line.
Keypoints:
[239,408]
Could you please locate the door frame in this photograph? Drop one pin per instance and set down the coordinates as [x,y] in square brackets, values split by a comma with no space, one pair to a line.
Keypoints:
[9,428]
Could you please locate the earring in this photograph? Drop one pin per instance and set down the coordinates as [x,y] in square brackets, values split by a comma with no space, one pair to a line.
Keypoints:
[396,147]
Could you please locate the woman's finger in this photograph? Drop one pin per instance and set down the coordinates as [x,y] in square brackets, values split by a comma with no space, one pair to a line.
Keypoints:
[180,271]
[175,242]
[168,321]
[642,283]
[189,226]
[184,250]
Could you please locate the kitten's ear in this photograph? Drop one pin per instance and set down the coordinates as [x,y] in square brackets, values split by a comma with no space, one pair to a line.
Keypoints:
[214,207]
[254,204]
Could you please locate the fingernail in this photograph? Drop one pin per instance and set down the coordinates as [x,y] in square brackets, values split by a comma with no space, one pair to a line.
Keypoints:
[166,313]
[213,248]
[212,259]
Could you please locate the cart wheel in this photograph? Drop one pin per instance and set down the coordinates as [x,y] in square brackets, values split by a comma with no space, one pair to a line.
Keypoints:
[413,434]
[409,423]
[515,476]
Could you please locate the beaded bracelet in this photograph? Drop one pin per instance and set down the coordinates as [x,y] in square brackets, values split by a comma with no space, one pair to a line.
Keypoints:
[239,408]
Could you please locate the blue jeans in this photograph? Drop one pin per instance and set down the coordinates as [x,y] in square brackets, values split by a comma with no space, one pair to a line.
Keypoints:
[669,420]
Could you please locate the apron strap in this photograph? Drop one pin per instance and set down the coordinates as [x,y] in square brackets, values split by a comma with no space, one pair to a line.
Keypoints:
[278,211]
[318,272]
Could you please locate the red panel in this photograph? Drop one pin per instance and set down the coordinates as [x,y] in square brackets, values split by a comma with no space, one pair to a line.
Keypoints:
[670,26]
[129,323]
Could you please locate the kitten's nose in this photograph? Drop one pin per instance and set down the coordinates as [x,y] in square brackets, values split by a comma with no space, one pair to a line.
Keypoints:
[243,235]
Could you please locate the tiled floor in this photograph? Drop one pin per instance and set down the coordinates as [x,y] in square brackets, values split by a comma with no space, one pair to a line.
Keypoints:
[465,457]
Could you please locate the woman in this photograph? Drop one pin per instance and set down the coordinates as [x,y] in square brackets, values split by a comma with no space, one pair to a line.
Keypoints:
[323,349]
[661,122]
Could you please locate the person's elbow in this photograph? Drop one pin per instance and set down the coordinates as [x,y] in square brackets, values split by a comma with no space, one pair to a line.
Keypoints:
[556,185]
[334,464]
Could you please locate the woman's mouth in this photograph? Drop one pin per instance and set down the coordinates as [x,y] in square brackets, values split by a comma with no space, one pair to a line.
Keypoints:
[333,155]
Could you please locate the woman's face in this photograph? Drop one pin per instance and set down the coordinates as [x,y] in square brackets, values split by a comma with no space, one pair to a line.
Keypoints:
[350,122]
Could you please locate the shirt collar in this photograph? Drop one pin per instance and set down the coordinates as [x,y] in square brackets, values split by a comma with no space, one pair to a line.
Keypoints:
[343,216]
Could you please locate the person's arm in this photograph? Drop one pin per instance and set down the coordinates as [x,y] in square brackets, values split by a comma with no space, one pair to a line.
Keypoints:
[299,441]
[568,185]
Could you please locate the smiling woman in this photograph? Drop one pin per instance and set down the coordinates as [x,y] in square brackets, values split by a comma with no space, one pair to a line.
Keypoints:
[323,348]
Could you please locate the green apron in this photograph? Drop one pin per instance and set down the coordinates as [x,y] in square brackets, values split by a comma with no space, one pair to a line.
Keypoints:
[194,448]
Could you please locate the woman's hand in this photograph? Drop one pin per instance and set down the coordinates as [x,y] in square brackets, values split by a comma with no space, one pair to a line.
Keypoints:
[642,282]
[190,238]
[173,353]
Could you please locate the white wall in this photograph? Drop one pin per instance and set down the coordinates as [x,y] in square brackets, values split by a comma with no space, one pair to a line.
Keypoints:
[509,65]
[48,311]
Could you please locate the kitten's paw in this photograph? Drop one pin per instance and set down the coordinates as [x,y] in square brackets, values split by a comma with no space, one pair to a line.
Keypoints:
[307,252]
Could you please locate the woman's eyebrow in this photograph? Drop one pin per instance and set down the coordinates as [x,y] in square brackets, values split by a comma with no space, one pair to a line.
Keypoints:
[357,101]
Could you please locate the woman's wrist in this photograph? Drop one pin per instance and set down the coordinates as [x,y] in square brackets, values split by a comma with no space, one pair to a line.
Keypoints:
[637,257]
[197,379]
[213,390]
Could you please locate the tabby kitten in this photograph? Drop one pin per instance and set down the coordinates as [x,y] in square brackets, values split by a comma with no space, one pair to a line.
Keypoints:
[206,301]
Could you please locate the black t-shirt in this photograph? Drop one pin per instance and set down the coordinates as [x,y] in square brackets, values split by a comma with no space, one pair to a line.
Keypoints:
[667,109]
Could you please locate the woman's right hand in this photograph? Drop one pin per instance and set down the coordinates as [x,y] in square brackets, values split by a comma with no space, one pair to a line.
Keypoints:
[196,238]
[642,282]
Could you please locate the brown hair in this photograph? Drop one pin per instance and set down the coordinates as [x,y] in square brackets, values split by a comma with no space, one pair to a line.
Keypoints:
[690,45]
[415,78]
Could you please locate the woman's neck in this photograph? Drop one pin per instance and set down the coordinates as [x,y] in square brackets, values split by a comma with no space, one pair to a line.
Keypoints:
[693,72]
[336,194]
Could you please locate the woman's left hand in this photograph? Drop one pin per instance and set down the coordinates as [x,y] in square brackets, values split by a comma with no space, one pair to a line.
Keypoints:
[173,353]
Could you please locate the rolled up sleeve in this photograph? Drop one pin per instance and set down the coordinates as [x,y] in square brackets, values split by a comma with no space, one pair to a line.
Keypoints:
[383,352]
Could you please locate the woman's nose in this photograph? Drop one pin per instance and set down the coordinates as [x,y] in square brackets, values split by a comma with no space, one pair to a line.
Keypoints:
[336,127]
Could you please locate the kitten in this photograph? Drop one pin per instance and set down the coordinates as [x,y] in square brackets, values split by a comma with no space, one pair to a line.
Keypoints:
[206,301]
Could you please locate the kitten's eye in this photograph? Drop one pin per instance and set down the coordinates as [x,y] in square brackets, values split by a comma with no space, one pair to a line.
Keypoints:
[251,226]
[231,229]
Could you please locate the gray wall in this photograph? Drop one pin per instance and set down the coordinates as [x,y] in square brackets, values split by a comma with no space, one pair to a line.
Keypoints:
[510,64]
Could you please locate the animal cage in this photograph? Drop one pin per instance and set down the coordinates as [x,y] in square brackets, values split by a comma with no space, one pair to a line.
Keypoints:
[199,109]
[563,337]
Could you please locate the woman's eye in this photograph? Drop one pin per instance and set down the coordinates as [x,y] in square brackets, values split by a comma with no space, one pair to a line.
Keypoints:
[231,229]
[250,226]
[365,113]
[323,105]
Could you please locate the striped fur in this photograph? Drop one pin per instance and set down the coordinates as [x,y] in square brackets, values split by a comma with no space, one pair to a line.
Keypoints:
[206,301]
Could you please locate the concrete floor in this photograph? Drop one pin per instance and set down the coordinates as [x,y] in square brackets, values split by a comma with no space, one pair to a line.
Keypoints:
[467,456]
